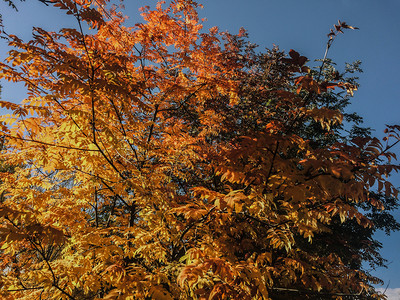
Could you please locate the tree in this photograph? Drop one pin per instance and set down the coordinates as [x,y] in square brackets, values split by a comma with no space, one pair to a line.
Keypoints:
[164,162]
[352,242]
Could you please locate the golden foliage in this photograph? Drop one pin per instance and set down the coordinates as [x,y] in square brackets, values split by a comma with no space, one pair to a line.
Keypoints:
[131,181]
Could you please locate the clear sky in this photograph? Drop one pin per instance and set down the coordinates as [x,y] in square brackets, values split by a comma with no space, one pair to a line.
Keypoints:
[290,24]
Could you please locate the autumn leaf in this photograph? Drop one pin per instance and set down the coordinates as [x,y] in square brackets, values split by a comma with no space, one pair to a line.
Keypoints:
[165,161]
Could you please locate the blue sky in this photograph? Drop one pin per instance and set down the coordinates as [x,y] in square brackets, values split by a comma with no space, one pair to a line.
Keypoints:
[290,24]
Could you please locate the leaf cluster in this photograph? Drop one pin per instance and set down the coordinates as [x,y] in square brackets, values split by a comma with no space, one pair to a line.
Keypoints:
[163,161]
